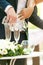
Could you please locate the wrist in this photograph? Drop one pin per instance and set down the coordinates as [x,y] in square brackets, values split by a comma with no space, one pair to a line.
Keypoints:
[31,4]
[10,11]
[8,8]
[35,1]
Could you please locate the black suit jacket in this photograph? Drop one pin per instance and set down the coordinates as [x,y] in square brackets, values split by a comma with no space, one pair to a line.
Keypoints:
[35,19]
[4,4]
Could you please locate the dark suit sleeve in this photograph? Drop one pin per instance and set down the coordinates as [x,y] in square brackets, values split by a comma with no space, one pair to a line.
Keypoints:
[3,4]
[35,19]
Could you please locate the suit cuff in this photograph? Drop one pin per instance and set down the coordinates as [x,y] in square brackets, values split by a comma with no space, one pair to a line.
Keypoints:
[7,8]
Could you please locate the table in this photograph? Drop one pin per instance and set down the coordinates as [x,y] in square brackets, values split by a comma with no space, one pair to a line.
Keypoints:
[13,58]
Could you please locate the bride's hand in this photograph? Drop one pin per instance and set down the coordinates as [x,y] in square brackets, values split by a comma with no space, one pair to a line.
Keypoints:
[25,13]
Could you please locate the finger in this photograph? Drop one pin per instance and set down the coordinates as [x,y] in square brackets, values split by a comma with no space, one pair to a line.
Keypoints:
[14,18]
[4,19]
[20,15]
[7,18]
[22,18]
[10,20]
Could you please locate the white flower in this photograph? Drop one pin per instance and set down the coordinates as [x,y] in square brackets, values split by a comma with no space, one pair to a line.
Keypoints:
[27,51]
[5,45]
[3,52]
[20,45]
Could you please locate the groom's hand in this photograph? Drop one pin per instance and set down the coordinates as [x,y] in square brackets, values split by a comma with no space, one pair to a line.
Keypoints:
[11,15]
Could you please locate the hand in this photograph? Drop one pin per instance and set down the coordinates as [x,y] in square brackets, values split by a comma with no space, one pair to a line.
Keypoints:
[25,13]
[38,1]
[11,15]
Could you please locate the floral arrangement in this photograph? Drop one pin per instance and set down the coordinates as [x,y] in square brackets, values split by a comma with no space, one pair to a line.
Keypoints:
[11,49]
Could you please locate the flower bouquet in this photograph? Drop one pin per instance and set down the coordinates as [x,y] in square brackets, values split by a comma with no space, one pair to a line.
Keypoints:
[12,49]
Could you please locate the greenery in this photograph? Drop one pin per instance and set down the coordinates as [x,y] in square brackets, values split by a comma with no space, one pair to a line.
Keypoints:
[18,51]
[12,49]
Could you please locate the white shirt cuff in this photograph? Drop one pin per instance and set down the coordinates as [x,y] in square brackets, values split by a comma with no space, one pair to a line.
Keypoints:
[6,9]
